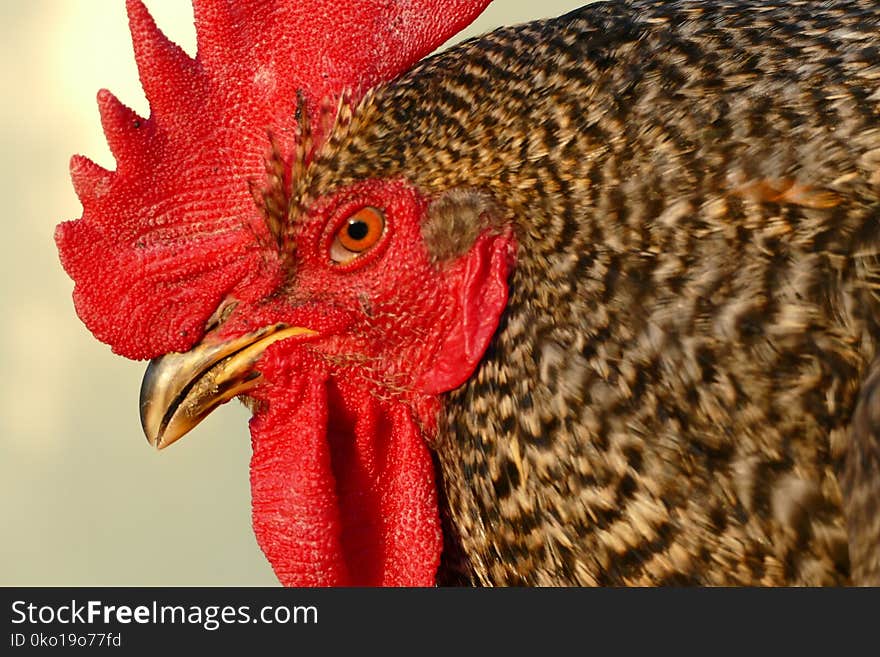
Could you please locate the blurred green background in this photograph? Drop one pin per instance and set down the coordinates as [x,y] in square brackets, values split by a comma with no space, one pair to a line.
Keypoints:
[83,499]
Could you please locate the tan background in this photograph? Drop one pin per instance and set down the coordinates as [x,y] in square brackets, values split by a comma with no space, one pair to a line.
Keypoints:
[83,499]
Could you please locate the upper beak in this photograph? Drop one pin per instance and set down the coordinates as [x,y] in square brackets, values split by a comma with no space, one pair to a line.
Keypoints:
[180,390]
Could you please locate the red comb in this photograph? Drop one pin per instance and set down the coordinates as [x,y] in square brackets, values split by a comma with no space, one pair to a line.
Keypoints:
[175,229]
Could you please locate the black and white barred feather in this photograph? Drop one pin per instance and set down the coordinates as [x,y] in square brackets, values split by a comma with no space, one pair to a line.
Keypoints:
[684,385]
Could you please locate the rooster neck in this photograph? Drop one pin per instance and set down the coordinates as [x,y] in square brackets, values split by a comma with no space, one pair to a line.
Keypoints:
[632,447]
[668,396]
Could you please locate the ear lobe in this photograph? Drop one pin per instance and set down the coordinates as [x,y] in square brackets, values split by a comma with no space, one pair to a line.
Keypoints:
[479,286]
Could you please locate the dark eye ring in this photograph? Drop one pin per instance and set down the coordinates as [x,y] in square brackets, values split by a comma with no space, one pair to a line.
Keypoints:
[357,235]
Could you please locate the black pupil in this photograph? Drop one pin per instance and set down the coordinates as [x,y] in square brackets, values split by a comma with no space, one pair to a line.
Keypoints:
[357,230]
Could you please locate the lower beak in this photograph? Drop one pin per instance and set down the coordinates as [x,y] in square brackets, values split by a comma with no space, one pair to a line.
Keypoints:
[180,390]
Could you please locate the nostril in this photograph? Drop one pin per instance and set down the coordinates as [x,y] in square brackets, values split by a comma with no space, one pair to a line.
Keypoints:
[221,314]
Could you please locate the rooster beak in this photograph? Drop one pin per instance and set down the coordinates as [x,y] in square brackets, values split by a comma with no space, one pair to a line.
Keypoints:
[180,390]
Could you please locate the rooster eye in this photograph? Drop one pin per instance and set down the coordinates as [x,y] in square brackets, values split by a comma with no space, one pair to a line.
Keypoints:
[357,235]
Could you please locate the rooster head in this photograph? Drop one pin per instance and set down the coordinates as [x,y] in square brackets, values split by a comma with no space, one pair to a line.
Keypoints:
[340,314]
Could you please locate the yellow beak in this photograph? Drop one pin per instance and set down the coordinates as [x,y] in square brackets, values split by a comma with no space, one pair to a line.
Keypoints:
[180,390]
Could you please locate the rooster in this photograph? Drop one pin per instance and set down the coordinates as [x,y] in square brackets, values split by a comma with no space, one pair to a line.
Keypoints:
[590,300]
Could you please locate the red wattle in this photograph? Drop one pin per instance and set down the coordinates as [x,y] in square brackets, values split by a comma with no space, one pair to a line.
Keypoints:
[342,482]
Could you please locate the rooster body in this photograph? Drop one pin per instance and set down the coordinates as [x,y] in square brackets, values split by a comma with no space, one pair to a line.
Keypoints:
[680,383]
[693,310]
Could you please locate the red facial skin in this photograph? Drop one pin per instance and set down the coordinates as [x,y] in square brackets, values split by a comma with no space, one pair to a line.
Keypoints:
[343,488]
[342,479]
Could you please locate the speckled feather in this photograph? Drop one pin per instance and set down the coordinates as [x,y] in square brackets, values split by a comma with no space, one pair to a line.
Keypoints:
[695,189]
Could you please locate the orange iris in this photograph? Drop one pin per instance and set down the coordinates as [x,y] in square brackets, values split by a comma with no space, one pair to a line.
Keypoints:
[357,235]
